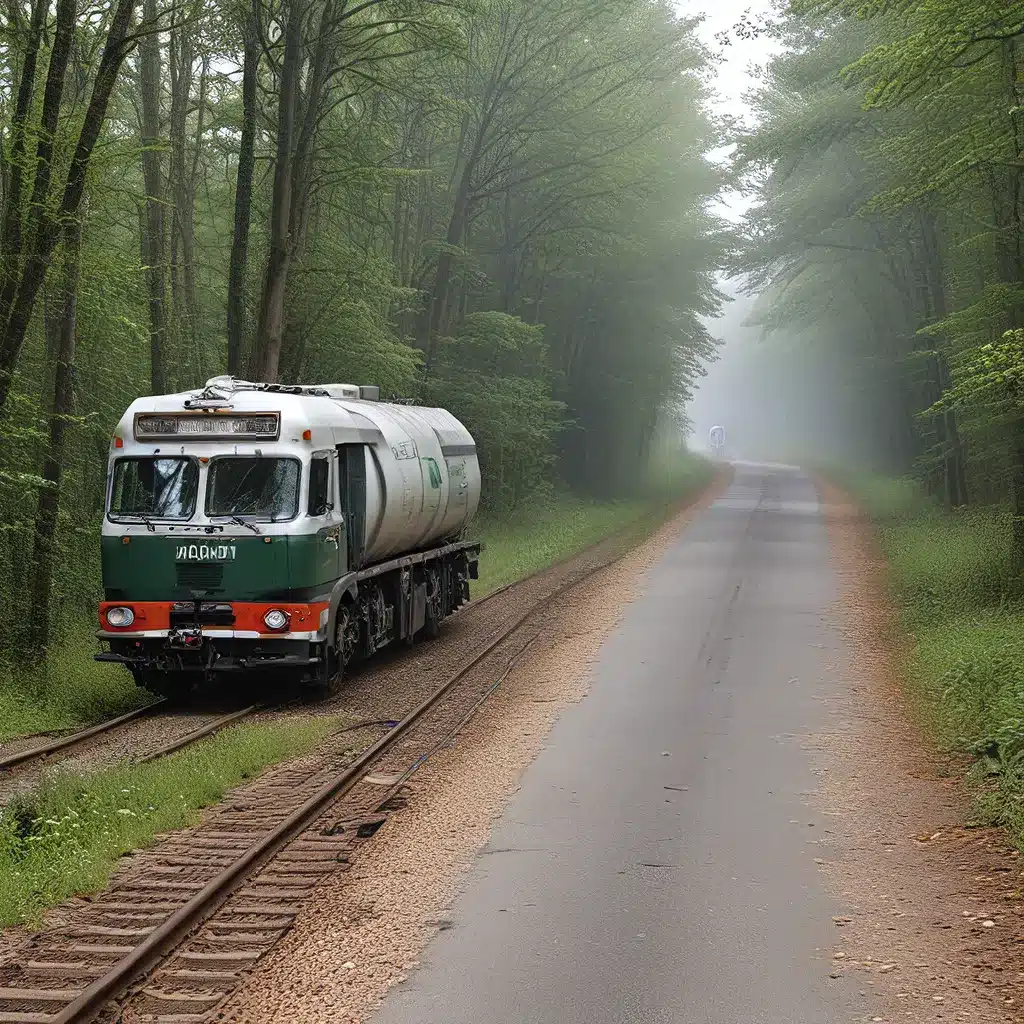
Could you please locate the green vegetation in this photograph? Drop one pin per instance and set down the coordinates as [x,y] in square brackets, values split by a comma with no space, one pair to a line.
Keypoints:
[499,207]
[548,531]
[952,577]
[66,838]
[885,244]
[67,691]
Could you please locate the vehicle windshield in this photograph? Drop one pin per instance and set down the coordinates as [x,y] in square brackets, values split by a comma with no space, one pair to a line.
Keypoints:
[155,488]
[253,486]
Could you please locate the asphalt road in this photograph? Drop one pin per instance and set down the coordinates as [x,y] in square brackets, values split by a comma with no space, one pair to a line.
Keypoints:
[658,863]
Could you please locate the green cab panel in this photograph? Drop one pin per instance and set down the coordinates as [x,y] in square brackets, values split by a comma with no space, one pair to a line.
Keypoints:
[253,568]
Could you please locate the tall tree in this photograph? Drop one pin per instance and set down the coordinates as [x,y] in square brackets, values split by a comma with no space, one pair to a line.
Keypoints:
[153,233]
[27,250]
[65,326]
[237,316]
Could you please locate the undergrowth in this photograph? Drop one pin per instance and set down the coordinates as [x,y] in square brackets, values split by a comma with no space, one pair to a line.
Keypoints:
[65,838]
[68,690]
[952,578]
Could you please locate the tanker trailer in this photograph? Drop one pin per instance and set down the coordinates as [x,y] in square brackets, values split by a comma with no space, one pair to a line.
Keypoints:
[280,529]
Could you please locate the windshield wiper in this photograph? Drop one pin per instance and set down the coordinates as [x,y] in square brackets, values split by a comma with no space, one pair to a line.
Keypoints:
[239,521]
[145,519]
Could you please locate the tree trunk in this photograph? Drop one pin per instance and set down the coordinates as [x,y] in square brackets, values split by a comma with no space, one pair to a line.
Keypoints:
[153,245]
[954,482]
[53,92]
[188,229]
[180,59]
[436,314]
[26,89]
[16,312]
[48,507]
[243,199]
[270,330]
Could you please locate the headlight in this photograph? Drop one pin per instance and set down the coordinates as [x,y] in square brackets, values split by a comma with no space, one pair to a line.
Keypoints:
[120,617]
[275,619]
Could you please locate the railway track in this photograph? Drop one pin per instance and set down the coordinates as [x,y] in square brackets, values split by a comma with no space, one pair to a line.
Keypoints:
[66,746]
[172,940]
[62,747]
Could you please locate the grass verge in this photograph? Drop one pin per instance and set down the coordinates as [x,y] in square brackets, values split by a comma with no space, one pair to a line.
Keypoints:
[68,691]
[65,838]
[952,578]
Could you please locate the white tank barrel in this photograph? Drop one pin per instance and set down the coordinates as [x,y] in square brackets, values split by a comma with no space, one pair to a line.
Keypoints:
[422,480]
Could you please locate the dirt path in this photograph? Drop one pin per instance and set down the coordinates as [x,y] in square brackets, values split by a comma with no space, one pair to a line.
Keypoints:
[937,919]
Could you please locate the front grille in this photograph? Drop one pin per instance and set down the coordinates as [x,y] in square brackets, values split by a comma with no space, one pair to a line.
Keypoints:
[210,613]
[205,576]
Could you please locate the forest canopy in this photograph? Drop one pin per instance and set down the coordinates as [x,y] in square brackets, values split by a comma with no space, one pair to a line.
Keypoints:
[498,206]
[885,241]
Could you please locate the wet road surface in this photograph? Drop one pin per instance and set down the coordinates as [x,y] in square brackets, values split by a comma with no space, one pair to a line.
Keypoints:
[658,863]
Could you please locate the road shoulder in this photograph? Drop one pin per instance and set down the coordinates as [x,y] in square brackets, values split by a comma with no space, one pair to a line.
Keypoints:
[936,921]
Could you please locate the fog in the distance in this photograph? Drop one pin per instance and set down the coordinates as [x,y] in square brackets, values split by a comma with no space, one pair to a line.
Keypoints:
[780,399]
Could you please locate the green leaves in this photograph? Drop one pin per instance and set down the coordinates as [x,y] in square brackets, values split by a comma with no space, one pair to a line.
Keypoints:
[990,375]
[582,258]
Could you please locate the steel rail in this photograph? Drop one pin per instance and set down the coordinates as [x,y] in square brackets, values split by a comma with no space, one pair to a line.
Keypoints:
[45,749]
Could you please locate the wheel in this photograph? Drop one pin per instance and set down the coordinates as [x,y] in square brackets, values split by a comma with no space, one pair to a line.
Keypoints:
[346,642]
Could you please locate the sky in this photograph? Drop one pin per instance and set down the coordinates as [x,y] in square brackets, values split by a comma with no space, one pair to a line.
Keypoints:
[734,78]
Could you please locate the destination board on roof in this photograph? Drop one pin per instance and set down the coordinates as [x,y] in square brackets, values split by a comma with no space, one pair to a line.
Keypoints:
[196,427]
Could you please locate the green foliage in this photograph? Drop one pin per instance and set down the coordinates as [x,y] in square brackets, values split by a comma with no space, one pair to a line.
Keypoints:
[990,376]
[493,375]
[952,577]
[947,565]
[887,161]
[67,691]
[65,838]
[551,150]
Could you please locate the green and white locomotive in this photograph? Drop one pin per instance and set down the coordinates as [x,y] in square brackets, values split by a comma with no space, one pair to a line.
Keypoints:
[276,528]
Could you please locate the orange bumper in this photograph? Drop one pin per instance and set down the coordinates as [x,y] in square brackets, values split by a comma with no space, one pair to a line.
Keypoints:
[155,616]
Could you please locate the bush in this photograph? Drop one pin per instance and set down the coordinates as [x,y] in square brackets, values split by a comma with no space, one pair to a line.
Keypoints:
[495,377]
